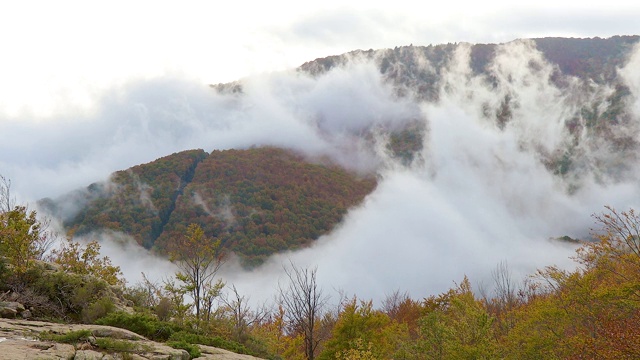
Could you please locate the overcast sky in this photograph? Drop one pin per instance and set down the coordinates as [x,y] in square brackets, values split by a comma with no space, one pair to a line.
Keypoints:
[61,53]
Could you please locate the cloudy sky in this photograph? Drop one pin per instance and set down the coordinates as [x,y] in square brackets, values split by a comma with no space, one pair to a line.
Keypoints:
[64,53]
[89,89]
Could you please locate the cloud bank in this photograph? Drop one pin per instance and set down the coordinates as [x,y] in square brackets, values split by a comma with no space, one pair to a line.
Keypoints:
[476,195]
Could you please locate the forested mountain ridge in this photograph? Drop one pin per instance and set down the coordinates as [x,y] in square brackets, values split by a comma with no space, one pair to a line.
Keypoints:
[585,72]
[257,201]
[421,67]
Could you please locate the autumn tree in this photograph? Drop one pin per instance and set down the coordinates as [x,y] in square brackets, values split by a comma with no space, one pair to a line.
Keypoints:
[242,316]
[401,308]
[198,259]
[361,331]
[303,302]
[456,326]
[23,237]
[86,260]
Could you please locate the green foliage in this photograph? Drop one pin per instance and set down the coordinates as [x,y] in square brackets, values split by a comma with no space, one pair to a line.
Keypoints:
[20,238]
[194,350]
[117,345]
[85,260]
[4,272]
[215,341]
[456,326]
[98,309]
[71,337]
[141,324]
[362,332]
[406,143]
[63,295]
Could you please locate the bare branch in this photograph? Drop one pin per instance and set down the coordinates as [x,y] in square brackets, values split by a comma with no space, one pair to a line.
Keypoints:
[303,302]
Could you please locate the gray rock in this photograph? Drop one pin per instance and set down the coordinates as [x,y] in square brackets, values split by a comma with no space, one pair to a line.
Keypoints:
[26,314]
[88,355]
[115,333]
[11,309]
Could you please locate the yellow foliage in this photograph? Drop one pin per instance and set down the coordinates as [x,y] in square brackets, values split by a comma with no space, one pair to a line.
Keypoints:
[86,260]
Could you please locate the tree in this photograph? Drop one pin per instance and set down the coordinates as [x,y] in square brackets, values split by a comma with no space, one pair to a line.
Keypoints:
[360,330]
[23,237]
[198,259]
[402,309]
[86,260]
[242,317]
[456,326]
[7,202]
[303,303]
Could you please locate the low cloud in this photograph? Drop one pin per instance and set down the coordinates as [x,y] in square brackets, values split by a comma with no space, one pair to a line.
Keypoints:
[476,195]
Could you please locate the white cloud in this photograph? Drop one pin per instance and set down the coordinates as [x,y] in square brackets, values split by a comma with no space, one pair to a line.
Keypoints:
[480,196]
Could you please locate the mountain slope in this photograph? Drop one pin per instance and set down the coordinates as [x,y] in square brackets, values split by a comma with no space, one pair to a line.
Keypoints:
[257,201]
[266,200]
[137,201]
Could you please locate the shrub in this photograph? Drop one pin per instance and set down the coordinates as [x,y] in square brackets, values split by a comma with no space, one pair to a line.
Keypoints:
[101,308]
[120,345]
[72,337]
[209,341]
[194,350]
[141,324]
[72,294]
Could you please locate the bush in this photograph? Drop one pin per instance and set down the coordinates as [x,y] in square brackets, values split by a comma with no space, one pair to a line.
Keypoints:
[194,350]
[120,345]
[4,272]
[141,324]
[209,341]
[72,337]
[98,309]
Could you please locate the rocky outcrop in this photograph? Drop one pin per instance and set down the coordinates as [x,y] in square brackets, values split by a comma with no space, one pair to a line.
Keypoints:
[12,310]
[21,339]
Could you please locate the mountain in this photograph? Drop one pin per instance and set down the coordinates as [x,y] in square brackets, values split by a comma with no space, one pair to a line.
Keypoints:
[586,69]
[266,200]
[256,201]
[421,67]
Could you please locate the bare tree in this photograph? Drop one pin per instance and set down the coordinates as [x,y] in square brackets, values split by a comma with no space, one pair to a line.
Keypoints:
[303,303]
[620,231]
[392,303]
[505,288]
[243,317]
[7,203]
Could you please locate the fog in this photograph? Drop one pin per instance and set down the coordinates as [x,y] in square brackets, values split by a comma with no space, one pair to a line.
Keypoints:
[476,195]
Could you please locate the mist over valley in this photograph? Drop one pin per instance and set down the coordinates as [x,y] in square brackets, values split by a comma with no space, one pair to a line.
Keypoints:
[460,157]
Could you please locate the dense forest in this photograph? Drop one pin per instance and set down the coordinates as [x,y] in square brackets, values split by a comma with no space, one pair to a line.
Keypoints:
[256,201]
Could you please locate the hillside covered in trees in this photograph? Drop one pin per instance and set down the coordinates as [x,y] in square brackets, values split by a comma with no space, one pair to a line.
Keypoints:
[256,202]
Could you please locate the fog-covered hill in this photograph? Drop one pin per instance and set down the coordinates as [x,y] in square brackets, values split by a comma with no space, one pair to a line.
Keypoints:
[257,201]
[482,153]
